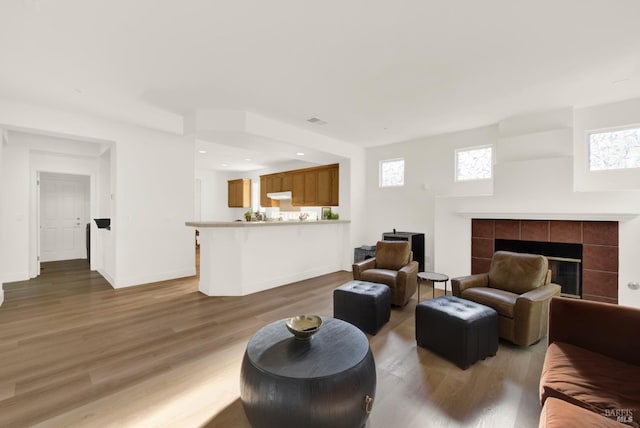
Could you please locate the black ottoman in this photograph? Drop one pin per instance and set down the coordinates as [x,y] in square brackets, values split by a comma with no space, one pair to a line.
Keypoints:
[460,330]
[367,305]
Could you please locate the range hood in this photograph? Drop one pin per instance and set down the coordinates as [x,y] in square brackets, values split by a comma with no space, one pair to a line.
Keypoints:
[279,196]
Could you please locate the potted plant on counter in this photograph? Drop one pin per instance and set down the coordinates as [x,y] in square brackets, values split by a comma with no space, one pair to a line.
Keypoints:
[247,215]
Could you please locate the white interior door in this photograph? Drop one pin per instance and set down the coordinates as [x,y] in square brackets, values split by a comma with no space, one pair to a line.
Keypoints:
[62,218]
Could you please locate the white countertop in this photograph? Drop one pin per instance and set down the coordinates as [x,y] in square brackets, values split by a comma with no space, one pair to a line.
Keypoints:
[202,224]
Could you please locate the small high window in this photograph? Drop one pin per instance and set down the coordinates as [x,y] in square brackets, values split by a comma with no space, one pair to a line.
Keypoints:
[617,149]
[474,163]
[392,173]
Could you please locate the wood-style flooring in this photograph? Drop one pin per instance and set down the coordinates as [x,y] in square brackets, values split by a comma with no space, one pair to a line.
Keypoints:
[75,352]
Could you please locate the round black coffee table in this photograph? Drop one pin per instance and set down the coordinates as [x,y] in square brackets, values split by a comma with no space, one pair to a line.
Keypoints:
[326,381]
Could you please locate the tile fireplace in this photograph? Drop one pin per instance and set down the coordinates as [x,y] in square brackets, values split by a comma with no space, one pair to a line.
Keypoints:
[565,261]
[583,255]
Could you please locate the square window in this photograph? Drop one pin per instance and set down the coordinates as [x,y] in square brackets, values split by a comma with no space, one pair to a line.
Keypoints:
[619,149]
[392,173]
[474,164]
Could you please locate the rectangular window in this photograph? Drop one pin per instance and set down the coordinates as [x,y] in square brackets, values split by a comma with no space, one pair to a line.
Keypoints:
[617,149]
[392,173]
[474,164]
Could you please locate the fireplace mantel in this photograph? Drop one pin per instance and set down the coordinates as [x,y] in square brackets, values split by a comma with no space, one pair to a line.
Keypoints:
[549,216]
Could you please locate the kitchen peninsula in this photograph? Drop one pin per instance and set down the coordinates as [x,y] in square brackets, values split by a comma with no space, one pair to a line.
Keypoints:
[239,258]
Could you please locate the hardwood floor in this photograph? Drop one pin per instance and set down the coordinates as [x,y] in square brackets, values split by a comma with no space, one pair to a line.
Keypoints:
[75,352]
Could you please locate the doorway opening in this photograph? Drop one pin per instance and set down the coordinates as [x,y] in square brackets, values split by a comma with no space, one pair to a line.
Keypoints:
[64,213]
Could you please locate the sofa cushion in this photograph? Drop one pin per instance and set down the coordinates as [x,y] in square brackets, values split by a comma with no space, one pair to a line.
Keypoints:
[381,276]
[593,381]
[560,414]
[502,301]
[517,272]
[392,255]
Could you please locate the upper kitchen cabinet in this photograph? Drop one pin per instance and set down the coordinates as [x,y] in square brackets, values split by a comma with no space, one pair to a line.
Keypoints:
[327,193]
[239,195]
[317,186]
[287,182]
[270,184]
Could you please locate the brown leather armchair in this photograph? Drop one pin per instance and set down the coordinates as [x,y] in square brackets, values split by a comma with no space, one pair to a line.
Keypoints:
[393,267]
[518,286]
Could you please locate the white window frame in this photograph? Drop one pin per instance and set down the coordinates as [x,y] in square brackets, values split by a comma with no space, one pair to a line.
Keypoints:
[605,131]
[380,178]
[468,149]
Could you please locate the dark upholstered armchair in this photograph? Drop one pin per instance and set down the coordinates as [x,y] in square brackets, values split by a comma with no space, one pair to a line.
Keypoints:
[392,266]
[518,286]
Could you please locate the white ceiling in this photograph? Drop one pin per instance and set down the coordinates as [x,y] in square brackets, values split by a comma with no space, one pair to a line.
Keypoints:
[377,71]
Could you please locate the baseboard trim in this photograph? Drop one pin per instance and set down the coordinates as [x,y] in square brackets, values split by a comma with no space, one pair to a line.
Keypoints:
[16,276]
[147,279]
[106,276]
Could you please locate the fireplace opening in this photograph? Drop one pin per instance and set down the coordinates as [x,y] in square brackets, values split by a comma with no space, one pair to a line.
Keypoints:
[565,261]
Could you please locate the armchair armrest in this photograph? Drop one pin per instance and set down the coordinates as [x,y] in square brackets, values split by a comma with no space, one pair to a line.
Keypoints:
[360,267]
[540,294]
[410,269]
[408,275]
[531,312]
[605,328]
[458,285]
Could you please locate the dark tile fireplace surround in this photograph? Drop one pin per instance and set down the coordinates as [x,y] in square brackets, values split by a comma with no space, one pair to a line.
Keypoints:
[588,249]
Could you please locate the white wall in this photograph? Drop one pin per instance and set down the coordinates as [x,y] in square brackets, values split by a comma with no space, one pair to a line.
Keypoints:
[62,156]
[429,174]
[153,188]
[15,220]
[534,177]
[2,143]
[102,246]
[152,176]
[213,203]
[153,199]
[626,113]
[596,118]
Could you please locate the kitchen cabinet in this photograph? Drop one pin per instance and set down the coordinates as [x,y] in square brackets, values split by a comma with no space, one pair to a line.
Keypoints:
[297,190]
[327,187]
[239,193]
[310,188]
[269,184]
[274,183]
[320,187]
[265,184]
[317,186]
[335,187]
[287,182]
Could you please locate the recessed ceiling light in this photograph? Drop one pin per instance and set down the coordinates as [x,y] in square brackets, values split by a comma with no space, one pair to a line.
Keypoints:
[248,159]
[202,151]
[224,164]
[299,154]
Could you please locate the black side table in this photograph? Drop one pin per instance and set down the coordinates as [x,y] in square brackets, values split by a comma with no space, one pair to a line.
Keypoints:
[326,381]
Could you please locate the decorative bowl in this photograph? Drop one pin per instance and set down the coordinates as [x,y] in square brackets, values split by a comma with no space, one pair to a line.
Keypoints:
[304,326]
